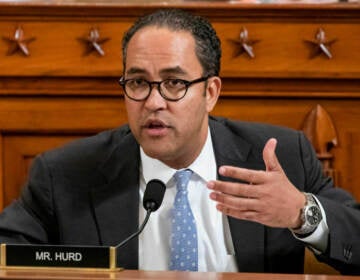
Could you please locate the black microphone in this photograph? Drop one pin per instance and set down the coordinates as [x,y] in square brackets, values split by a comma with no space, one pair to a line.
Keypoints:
[153,197]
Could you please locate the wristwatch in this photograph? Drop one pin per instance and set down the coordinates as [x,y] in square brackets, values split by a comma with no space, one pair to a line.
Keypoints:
[310,216]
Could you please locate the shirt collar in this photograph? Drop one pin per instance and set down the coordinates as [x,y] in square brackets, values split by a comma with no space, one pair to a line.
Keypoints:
[204,165]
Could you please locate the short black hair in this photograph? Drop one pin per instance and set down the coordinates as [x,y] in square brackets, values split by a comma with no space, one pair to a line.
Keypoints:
[208,46]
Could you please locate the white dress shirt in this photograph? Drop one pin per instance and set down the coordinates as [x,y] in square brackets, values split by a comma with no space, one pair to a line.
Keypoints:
[215,247]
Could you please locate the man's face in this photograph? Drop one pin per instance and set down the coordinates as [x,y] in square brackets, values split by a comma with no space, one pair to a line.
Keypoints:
[172,132]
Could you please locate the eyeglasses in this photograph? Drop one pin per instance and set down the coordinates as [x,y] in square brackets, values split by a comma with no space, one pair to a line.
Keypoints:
[170,89]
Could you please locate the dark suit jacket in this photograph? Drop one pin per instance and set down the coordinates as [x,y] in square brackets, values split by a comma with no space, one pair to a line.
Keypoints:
[87,193]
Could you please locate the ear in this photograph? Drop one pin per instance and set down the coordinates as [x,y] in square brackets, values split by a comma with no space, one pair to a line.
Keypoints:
[212,92]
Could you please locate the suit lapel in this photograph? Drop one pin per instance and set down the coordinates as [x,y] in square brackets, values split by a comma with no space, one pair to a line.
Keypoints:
[248,237]
[116,203]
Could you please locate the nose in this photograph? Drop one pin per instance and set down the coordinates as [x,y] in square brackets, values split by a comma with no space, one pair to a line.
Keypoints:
[155,101]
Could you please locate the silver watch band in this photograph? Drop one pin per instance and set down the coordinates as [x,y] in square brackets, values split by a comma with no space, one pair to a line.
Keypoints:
[310,216]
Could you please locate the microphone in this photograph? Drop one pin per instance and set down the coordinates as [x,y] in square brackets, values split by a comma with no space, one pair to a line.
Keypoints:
[153,197]
[74,256]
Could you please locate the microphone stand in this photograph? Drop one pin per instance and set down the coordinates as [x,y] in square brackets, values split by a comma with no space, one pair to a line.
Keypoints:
[148,212]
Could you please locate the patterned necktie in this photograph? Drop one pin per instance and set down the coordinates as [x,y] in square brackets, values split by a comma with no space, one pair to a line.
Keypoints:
[184,248]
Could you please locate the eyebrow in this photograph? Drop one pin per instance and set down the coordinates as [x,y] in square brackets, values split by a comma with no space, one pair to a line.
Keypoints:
[135,70]
[171,70]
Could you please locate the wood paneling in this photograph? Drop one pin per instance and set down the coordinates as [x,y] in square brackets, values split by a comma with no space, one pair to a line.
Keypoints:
[58,93]
[282,51]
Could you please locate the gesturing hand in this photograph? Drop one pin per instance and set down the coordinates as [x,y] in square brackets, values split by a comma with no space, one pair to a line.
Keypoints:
[269,197]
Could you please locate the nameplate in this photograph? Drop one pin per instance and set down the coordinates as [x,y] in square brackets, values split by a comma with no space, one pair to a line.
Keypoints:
[96,257]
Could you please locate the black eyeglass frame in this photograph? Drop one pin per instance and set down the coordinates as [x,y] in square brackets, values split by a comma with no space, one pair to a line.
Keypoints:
[187,84]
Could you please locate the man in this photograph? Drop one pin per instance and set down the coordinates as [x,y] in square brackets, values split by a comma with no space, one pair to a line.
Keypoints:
[256,192]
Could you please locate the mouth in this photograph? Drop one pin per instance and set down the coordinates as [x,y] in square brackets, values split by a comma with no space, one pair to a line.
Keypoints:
[155,128]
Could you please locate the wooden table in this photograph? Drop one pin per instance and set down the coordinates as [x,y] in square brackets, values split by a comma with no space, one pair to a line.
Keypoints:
[158,275]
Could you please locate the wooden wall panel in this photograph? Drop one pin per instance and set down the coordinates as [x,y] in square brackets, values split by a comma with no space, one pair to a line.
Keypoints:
[350,162]
[57,50]
[74,114]
[281,50]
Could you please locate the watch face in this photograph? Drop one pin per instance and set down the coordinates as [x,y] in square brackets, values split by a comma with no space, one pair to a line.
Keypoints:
[313,215]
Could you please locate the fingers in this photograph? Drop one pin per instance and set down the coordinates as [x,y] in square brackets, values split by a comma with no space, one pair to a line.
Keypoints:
[239,203]
[248,190]
[237,207]
[234,189]
[247,175]
[263,196]
[269,156]
[243,215]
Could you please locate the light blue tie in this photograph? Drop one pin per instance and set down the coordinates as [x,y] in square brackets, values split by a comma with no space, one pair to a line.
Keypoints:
[184,248]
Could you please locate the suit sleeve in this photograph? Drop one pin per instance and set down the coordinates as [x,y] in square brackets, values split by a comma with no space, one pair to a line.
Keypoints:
[342,213]
[30,219]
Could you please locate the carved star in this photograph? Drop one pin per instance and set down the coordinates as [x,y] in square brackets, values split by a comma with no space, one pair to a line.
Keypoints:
[245,44]
[320,45]
[94,42]
[18,42]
